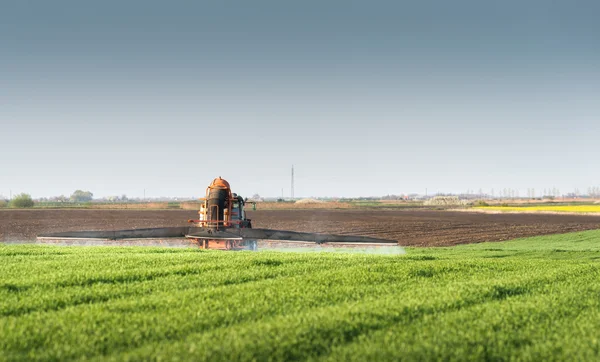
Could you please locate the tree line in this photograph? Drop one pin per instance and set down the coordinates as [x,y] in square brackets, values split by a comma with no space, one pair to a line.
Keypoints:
[25,200]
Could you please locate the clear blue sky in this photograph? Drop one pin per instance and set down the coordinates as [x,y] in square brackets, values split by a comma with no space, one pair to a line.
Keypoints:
[363,97]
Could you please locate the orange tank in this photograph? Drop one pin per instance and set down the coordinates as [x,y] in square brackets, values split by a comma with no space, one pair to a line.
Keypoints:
[219,183]
[216,211]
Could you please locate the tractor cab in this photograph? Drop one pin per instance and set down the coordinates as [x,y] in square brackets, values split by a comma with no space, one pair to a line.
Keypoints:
[238,212]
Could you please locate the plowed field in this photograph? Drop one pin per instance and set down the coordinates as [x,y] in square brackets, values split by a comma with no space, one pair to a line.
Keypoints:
[409,227]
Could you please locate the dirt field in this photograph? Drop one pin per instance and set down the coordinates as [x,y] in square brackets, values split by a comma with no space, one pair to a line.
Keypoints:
[410,227]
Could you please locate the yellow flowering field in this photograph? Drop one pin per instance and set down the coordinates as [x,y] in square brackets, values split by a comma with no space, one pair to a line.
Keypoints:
[554,208]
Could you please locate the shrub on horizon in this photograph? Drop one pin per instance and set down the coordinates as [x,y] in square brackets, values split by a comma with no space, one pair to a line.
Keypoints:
[21,201]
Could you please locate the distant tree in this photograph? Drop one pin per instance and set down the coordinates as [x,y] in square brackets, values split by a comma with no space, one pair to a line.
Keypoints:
[81,196]
[256,197]
[22,200]
[124,197]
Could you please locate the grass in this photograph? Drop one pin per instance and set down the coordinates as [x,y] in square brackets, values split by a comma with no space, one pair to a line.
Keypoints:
[528,299]
[546,208]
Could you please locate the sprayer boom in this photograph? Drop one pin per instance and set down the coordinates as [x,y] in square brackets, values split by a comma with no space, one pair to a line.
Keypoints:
[222,224]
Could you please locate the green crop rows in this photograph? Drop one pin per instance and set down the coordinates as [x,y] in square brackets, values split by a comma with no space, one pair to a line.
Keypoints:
[529,299]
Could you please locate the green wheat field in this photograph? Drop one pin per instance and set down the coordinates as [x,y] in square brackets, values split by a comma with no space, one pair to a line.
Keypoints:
[528,299]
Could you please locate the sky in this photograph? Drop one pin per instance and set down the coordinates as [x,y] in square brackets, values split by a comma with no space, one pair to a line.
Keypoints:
[364,98]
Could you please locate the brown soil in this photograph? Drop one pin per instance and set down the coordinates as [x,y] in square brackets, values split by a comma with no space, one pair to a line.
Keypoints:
[409,227]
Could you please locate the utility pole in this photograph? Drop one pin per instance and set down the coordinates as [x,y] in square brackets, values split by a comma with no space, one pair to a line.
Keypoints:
[144,194]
